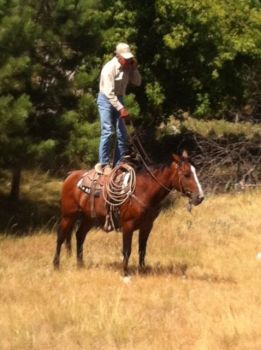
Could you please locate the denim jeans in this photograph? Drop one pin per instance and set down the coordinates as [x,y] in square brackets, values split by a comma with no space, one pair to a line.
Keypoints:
[110,122]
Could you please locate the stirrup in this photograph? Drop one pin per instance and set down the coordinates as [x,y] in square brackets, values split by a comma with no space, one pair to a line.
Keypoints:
[107,225]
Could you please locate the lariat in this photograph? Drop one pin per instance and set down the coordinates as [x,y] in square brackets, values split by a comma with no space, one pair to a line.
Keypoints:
[117,191]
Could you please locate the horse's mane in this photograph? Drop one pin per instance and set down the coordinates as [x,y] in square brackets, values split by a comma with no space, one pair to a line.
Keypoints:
[153,167]
[161,166]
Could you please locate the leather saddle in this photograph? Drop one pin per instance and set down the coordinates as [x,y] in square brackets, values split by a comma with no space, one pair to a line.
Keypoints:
[91,182]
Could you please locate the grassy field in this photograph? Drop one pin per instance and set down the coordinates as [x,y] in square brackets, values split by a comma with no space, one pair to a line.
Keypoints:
[201,290]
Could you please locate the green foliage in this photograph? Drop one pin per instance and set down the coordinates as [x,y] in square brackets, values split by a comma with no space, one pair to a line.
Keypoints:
[13,132]
[83,144]
[209,128]
[203,105]
[132,106]
[88,107]
[205,48]
[197,56]
[155,95]
[221,128]
[50,68]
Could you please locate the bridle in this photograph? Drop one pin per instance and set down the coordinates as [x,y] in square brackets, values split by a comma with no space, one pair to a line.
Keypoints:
[162,185]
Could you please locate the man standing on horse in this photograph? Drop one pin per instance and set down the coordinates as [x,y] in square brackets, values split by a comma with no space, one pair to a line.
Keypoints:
[115,76]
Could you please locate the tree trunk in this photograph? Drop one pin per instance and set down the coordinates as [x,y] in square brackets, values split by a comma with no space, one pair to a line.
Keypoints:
[15,185]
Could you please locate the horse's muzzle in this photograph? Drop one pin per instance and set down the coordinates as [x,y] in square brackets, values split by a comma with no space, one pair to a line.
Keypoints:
[196,200]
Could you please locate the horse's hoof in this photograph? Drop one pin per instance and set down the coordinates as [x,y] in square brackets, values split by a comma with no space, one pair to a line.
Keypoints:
[56,264]
[80,265]
[126,279]
[142,270]
[56,267]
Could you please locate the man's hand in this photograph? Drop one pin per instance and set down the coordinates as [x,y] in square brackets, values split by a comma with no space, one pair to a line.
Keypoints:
[123,113]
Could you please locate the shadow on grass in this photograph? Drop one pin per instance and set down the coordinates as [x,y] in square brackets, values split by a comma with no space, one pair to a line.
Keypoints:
[177,269]
[173,269]
[23,217]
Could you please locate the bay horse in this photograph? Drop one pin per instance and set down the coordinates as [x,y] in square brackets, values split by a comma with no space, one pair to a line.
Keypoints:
[137,213]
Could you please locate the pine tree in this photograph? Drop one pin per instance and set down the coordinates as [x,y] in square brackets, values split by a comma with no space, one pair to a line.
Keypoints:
[17,33]
[47,84]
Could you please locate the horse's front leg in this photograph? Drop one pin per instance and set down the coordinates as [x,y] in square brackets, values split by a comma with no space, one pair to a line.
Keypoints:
[81,233]
[143,238]
[127,241]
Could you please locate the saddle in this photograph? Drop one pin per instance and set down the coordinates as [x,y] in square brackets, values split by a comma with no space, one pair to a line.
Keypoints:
[93,183]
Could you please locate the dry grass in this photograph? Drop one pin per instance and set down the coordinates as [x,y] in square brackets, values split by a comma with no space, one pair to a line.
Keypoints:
[201,291]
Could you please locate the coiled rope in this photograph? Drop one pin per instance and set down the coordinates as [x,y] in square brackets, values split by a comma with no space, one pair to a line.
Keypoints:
[116,190]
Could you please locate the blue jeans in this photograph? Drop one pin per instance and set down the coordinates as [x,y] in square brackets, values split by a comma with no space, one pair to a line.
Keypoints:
[110,122]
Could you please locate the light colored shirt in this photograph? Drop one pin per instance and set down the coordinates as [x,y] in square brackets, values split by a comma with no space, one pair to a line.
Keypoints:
[114,81]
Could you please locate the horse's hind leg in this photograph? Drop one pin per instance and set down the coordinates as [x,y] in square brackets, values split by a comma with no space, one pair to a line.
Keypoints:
[64,231]
[81,233]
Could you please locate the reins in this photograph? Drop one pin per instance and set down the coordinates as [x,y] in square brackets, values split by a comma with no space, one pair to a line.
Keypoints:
[143,155]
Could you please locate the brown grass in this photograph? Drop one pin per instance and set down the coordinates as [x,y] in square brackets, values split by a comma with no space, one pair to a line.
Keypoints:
[201,290]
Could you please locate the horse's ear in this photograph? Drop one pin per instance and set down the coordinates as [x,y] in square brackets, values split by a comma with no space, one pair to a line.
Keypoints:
[176,158]
[185,154]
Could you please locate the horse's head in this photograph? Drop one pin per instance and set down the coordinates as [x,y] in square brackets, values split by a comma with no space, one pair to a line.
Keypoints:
[188,182]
